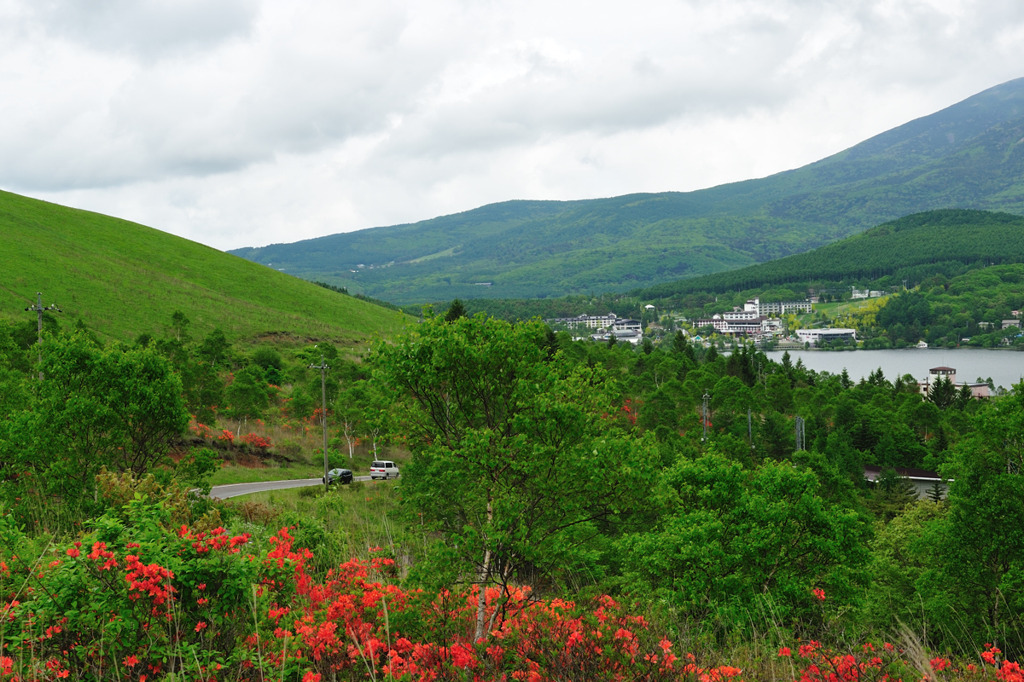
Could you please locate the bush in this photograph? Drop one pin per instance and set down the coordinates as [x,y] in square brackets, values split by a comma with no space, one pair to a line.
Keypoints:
[138,598]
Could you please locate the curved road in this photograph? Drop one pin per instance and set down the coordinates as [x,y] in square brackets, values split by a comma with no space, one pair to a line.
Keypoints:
[222,492]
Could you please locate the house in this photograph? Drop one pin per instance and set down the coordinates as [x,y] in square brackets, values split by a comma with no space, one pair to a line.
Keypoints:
[978,389]
[923,480]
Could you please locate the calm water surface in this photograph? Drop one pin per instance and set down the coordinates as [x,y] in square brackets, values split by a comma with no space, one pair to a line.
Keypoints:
[1005,367]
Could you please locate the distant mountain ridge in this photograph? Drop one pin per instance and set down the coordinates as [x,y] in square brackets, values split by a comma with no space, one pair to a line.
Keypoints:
[969,155]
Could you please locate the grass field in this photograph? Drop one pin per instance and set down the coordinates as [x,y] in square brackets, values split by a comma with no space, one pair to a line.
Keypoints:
[122,279]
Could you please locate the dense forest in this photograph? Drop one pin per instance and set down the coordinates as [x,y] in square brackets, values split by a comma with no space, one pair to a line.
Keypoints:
[721,496]
[945,242]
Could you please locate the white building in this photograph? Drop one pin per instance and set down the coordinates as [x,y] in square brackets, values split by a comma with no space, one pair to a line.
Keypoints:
[623,329]
[585,321]
[777,308]
[816,337]
[731,325]
[923,481]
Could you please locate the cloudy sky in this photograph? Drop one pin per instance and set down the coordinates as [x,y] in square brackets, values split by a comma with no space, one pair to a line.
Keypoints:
[247,122]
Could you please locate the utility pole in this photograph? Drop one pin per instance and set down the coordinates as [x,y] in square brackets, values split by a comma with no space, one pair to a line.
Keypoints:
[323,411]
[704,420]
[38,308]
[750,431]
[799,433]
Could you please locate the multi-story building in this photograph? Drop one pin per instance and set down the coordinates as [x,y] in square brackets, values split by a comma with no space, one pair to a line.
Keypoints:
[741,326]
[585,321]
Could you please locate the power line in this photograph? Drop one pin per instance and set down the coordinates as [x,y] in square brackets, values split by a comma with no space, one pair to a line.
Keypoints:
[39,309]
[323,411]
[704,417]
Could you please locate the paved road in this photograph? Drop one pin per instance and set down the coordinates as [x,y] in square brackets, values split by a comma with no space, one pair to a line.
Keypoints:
[223,492]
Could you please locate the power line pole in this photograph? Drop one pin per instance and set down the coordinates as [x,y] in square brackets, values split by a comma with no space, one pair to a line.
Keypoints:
[38,308]
[750,431]
[704,419]
[800,433]
[323,411]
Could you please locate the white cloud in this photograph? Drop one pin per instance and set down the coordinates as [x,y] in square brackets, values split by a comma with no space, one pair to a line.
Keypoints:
[245,122]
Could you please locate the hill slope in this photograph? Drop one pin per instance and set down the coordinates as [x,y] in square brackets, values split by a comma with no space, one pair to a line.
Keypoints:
[968,155]
[122,279]
[945,241]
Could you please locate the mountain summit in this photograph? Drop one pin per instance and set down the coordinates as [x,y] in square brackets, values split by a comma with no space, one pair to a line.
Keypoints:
[969,155]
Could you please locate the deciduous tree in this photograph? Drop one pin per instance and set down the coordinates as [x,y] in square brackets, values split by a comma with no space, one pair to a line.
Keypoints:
[513,462]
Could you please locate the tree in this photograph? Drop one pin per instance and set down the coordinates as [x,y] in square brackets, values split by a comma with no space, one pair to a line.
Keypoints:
[731,536]
[979,544]
[348,414]
[367,412]
[513,463]
[215,348]
[892,494]
[455,311]
[943,393]
[269,360]
[248,394]
[118,408]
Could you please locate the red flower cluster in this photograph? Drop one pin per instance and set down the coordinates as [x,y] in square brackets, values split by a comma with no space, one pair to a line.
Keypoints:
[201,430]
[253,440]
[144,619]
[152,580]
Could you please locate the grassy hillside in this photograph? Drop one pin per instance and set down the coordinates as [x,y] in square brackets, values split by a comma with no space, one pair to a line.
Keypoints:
[969,155]
[122,279]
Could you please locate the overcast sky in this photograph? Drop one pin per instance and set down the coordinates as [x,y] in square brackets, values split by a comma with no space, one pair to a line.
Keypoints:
[248,122]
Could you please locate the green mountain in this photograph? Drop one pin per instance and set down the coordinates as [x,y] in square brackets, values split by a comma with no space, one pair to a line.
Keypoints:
[122,279]
[967,156]
[944,242]
[918,250]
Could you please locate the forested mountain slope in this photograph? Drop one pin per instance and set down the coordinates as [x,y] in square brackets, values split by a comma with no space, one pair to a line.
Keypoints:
[122,279]
[968,155]
[943,242]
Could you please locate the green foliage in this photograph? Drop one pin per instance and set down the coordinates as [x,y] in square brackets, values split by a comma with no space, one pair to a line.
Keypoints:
[520,436]
[977,586]
[249,393]
[902,553]
[455,311]
[118,408]
[731,537]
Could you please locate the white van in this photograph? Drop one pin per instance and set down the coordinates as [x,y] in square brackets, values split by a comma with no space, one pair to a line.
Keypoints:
[383,468]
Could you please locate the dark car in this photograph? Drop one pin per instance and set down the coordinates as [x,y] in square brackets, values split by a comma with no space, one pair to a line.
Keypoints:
[338,476]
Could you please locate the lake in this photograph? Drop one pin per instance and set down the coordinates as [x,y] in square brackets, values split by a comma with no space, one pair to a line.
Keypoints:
[1006,367]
